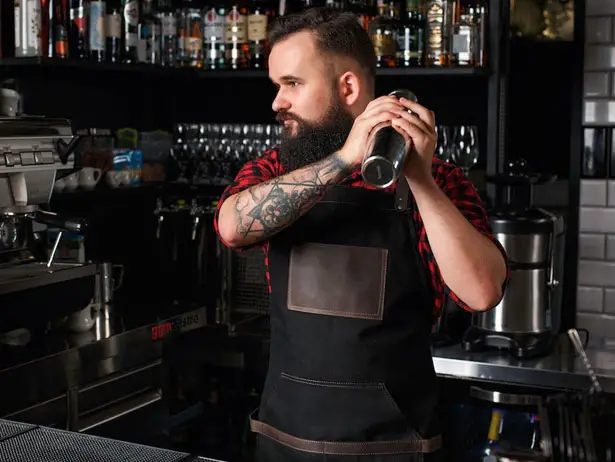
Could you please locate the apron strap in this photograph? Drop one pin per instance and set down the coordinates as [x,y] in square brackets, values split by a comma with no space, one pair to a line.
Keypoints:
[402,195]
[359,448]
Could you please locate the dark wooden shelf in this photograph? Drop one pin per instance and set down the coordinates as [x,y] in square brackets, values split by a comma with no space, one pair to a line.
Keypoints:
[148,70]
[434,71]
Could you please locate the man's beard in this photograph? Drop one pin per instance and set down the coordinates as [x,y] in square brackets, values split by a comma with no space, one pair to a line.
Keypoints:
[314,141]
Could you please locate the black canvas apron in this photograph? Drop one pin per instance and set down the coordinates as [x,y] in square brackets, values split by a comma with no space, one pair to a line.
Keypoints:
[350,375]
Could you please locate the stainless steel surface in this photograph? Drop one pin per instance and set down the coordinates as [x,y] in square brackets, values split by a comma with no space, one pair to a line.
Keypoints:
[127,406]
[36,444]
[533,299]
[19,210]
[497,397]
[14,278]
[29,159]
[525,248]
[382,166]
[106,283]
[120,394]
[546,440]
[560,370]
[87,377]
[573,334]
[52,255]
[515,314]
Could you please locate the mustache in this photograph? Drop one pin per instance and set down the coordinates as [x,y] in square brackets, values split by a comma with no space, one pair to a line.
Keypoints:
[282,116]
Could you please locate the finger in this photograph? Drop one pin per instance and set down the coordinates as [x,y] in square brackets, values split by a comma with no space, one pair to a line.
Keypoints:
[380,100]
[422,125]
[382,106]
[424,114]
[402,131]
[369,123]
[408,128]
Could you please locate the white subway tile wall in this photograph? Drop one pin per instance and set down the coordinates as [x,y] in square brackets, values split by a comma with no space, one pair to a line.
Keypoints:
[596,278]
[596,85]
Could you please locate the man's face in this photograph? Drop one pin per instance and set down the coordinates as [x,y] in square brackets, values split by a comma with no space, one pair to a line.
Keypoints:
[316,123]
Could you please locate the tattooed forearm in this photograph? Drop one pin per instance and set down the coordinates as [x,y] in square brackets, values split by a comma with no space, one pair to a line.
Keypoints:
[268,208]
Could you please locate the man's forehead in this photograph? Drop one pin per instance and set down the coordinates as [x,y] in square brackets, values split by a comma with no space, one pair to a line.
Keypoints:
[297,52]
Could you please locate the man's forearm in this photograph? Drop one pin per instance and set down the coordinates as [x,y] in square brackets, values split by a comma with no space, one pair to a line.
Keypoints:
[267,208]
[471,265]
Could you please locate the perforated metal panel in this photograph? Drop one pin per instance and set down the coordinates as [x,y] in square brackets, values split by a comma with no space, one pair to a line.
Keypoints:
[48,445]
[8,429]
[250,293]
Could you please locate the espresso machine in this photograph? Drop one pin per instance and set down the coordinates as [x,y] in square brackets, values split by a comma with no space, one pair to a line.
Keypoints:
[34,288]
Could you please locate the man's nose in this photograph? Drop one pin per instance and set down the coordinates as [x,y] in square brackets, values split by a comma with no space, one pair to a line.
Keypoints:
[280,103]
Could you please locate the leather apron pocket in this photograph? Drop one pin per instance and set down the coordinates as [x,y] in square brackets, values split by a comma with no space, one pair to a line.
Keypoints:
[338,280]
[334,411]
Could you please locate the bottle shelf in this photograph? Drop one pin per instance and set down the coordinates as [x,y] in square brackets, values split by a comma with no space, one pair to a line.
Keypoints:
[47,63]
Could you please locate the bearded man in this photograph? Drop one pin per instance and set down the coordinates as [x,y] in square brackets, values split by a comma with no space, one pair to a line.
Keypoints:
[357,276]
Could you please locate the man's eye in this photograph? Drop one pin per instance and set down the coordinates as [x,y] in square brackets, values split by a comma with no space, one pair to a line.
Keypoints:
[292,83]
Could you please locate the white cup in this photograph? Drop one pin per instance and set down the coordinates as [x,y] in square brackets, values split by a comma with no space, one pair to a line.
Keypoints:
[71,182]
[9,102]
[89,177]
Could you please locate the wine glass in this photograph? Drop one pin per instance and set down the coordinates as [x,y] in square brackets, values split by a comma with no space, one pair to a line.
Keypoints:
[465,147]
[443,150]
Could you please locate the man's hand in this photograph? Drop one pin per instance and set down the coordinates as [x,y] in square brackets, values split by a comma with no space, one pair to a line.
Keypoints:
[419,128]
[379,113]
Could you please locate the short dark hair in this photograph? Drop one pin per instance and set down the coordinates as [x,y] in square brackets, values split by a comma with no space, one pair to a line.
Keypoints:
[336,32]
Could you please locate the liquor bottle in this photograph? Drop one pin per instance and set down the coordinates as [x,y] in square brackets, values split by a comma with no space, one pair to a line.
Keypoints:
[28,28]
[98,30]
[54,35]
[59,28]
[335,4]
[213,35]
[150,31]
[2,28]
[236,36]
[78,42]
[113,33]
[365,10]
[130,10]
[258,20]
[440,14]
[495,432]
[168,36]
[193,34]
[478,12]
[382,31]
[410,44]
[46,32]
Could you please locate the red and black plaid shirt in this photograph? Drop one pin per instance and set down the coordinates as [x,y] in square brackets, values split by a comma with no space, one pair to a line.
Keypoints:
[450,178]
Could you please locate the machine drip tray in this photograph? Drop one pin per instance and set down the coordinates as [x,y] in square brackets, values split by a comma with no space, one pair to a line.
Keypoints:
[14,278]
[521,346]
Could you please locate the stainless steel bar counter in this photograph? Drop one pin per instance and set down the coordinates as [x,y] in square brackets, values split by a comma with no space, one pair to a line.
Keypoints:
[563,369]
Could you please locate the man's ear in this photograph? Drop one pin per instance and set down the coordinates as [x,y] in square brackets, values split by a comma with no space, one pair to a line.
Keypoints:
[349,88]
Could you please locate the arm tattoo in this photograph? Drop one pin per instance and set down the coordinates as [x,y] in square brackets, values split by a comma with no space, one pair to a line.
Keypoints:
[269,207]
